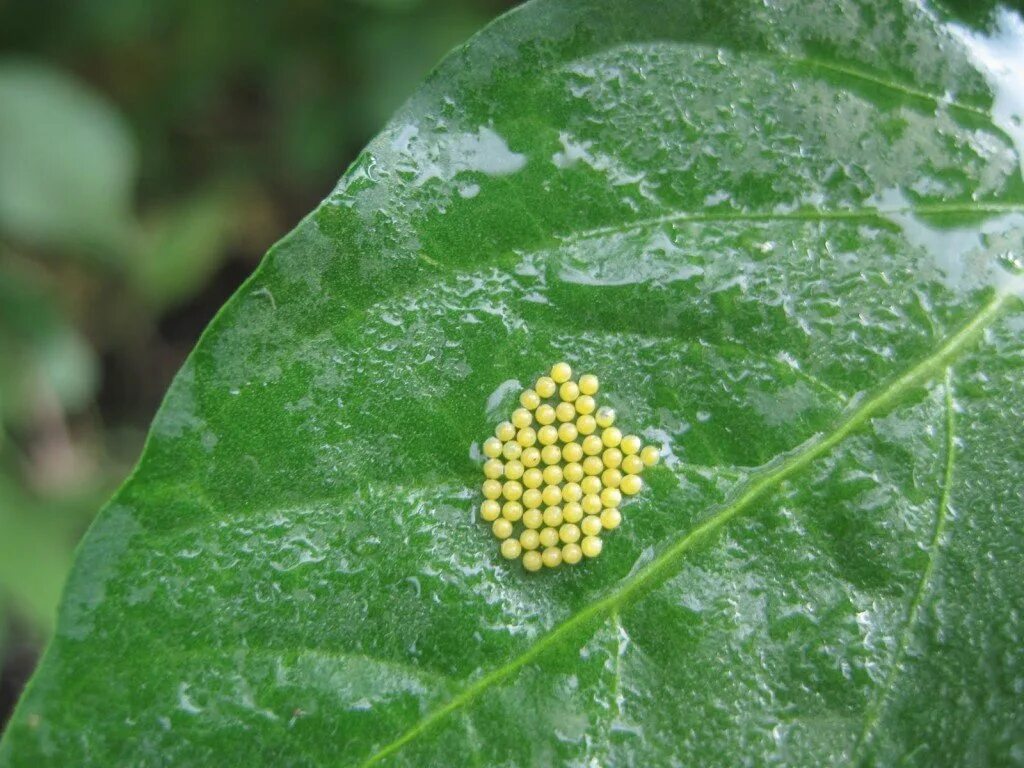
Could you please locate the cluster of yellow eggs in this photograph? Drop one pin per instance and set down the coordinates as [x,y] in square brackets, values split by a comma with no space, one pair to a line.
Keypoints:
[557,472]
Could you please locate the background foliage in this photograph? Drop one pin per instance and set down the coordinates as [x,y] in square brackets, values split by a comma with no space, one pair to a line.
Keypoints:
[149,155]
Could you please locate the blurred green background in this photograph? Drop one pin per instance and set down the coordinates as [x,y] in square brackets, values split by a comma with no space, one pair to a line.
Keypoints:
[150,152]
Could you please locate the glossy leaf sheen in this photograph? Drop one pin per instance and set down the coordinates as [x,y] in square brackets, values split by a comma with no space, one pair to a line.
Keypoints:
[784,235]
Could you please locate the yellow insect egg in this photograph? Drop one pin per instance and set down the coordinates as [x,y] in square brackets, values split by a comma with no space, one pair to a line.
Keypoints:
[547,435]
[492,489]
[591,504]
[611,518]
[650,456]
[586,424]
[591,485]
[526,437]
[572,554]
[552,557]
[532,561]
[545,386]
[592,465]
[512,450]
[533,478]
[533,518]
[532,498]
[572,512]
[611,478]
[611,437]
[553,495]
[605,417]
[611,497]
[551,454]
[569,391]
[573,471]
[490,510]
[529,399]
[631,485]
[630,444]
[512,511]
[561,373]
[529,539]
[591,525]
[591,546]
[505,431]
[612,458]
[492,447]
[512,490]
[552,474]
[592,445]
[545,414]
[493,468]
[632,465]
[571,492]
[565,411]
[530,457]
[514,470]
[584,405]
[521,417]
[572,451]
[511,549]
[553,516]
[502,528]
[568,433]
[569,533]
[549,537]
[588,384]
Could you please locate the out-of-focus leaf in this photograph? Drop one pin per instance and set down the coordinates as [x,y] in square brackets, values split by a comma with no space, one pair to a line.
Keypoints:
[67,162]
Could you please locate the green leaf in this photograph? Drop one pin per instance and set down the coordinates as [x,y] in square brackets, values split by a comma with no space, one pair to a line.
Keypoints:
[784,235]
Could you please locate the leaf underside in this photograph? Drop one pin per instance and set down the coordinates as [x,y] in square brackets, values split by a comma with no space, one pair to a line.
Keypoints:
[783,234]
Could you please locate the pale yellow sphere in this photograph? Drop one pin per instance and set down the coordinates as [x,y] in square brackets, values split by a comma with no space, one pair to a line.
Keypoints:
[592,465]
[532,498]
[545,386]
[553,495]
[588,384]
[632,465]
[529,399]
[591,525]
[649,455]
[565,411]
[630,444]
[533,478]
[512,490]
[591,546]
[561,373]
[530,457]
[611,478]
[567,433]
[585,405]
[514,470]
[552,557]
[532,561]
[572,554]
[611,519]
[572,451]
[586,424]
[552,474]
[545,414]
[612,458]
[611,437]
[572,512]
[551,454]
[529,539]
[591,504]
[512,511]
[573,471]
[611,497]
[569,391]
[502,528]
[512,450]
[491,489]
[490,510]
[547,435]
[492,447]
[553,516]
[605,416]
[569,533]
[571,492]
[526,437]
[533,518]
[493,468]
[549,537]
[591,485]
[592,445]
[505,431]
[631,485]
[511,549]
[521,417]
